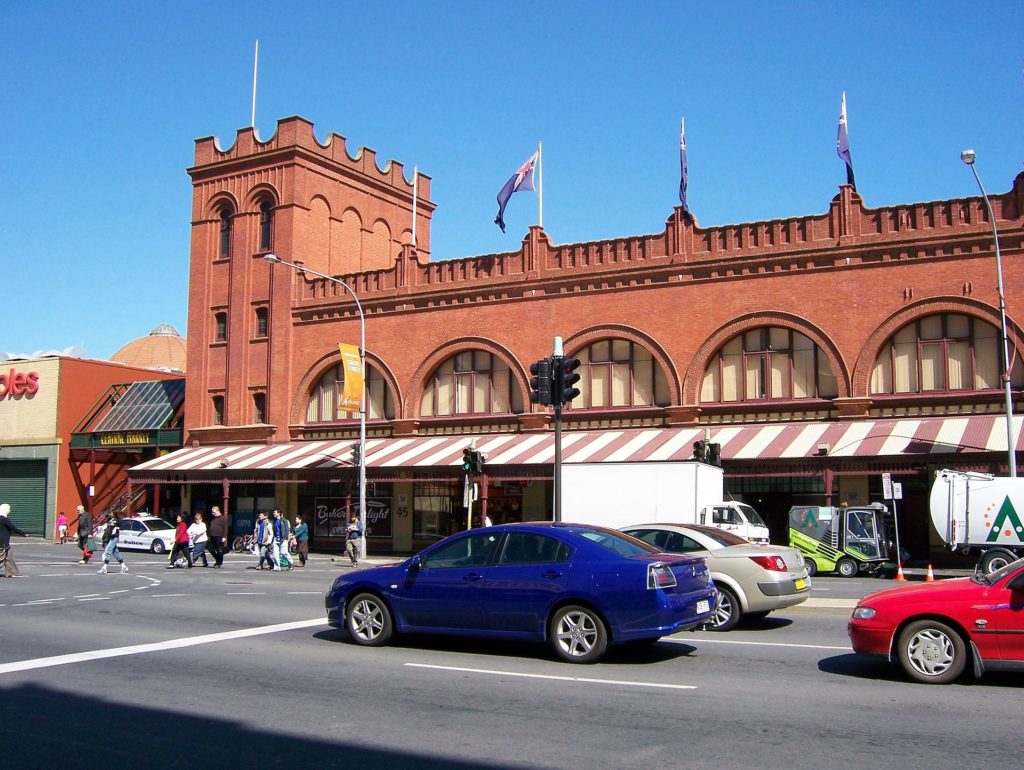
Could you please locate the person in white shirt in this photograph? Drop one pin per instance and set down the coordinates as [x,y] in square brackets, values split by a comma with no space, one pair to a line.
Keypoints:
[197,531]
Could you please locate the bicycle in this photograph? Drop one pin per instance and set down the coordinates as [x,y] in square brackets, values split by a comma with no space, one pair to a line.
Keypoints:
[243,544]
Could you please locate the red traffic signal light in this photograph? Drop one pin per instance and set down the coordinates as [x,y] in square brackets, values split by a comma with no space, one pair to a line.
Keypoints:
[566,378]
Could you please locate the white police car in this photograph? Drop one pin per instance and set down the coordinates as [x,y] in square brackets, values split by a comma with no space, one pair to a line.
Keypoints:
[142,533]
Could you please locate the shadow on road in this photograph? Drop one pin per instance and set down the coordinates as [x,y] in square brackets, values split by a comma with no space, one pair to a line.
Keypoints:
[618,654]
[854,665]
[40,727]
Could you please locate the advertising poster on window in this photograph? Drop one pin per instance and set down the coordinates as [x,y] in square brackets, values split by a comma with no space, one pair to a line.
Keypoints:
[352,390]
[329,517]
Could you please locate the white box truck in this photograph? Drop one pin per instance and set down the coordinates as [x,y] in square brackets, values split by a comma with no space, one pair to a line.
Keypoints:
[976,513]
[622,494]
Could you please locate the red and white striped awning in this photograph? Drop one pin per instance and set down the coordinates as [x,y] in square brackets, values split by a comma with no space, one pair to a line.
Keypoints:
[784,441]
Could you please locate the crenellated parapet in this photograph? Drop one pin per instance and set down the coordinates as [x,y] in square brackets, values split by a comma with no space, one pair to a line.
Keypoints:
[296,135]
[848,234]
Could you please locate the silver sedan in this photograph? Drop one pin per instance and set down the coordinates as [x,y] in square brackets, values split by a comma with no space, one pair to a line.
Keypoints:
[752,580]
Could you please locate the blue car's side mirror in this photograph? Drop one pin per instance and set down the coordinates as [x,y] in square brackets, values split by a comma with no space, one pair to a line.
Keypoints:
[415,564]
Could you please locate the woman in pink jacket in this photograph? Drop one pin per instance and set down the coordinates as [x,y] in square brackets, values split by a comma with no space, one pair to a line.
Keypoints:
[181,544]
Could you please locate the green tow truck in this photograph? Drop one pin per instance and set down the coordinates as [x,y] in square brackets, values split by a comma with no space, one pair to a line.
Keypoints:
[843,540]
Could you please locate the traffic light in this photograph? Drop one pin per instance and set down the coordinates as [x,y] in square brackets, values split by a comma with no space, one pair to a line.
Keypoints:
[700,451]
[356,455]
[540,383]
[714,454]
[467,460]
[479,458]
[566,378]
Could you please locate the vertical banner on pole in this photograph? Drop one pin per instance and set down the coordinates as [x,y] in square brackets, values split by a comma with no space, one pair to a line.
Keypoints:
[351,398]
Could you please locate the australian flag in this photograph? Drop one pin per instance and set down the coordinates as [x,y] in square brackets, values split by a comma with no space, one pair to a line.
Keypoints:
[843,145]
[682,165]
[521,180]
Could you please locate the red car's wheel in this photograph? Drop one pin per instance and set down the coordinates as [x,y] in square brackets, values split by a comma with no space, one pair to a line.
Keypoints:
[931,652]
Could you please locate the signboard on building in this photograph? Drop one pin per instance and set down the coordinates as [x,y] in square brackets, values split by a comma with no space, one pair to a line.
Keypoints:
[329,516]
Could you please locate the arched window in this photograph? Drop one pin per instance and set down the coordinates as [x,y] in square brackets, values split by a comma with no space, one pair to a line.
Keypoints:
[326,395]
[619,373]
[261,321]
[473,382]
[769,363]
[225,232]
[220,327]
[266,226]
[945,352]
[218,410]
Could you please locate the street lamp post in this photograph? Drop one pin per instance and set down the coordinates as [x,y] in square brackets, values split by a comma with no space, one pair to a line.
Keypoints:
[273,258]
[968,157]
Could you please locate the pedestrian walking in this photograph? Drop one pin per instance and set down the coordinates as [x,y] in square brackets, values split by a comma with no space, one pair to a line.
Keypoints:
[111,537]
[62,528]
[181,543]
[264,537]
[301,537]
[217,531]
[85,539]
[282,534]
[7,528]
[197,533]
[353,534]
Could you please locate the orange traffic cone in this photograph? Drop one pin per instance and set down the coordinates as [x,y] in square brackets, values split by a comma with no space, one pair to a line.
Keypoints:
[930,577]
[899,573]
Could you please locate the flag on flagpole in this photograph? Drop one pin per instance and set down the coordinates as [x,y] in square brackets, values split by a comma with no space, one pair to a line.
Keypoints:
[682,164]
[843,144]
[519,181]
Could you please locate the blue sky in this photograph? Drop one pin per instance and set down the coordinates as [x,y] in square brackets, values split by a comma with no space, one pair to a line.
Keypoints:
[102,103]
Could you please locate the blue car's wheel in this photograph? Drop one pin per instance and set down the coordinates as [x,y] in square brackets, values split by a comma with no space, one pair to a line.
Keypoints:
[368,620]
[578,635]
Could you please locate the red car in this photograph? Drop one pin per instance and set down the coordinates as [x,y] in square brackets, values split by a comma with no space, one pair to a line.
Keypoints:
[935,629]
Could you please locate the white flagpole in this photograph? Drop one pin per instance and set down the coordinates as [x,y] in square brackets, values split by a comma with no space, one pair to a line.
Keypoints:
[540,185]
[255,64]
[415,190]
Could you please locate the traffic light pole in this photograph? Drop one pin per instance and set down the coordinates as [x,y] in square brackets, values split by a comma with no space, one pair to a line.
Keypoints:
[557,502]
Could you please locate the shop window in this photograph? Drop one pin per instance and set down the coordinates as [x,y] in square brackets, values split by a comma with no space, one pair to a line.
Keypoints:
[619,373]
[472,382]
[262,316]
[768,363]
[326,395]
[437,509]
[259,403]
[220,327]
[225,232]
[943,352]
[218,410]
[266,226]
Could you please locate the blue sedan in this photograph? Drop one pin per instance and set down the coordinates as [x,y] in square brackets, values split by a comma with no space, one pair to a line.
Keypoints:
[581,588]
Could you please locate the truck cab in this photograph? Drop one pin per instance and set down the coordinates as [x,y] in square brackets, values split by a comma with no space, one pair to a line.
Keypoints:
[843,540]
[738,518]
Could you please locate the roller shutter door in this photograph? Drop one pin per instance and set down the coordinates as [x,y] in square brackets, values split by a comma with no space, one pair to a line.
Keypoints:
[23,486]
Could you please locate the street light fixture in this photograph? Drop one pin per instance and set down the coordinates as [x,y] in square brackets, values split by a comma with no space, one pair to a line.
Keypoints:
[968,157]
[274,259]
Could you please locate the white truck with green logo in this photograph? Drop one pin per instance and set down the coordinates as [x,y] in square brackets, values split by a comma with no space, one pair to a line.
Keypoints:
[979,514]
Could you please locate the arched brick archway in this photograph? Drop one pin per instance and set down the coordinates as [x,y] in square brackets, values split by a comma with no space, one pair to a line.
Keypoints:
[861,380]
[695,372]
[312,376]
[443,352]
[617,331]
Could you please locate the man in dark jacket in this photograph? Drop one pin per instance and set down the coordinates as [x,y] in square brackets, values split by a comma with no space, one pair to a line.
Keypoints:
[217,532]
[84,533]
[7,527]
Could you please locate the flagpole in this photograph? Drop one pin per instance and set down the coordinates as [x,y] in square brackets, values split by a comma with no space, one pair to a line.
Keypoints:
[255,65]
[540,185]
[415,180]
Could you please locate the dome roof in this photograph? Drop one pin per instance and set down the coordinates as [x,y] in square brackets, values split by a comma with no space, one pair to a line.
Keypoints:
[162,348]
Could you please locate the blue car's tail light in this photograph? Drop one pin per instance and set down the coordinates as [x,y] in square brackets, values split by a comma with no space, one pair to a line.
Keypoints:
[660,576]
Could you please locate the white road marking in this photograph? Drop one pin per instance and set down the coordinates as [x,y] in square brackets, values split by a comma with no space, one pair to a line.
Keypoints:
[37,601]
[96,599]
[85,596]
[120,591]
[170,644]
[581,679]
[702,640]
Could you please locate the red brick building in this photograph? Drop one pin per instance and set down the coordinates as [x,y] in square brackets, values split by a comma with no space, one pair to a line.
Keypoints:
[818,350]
